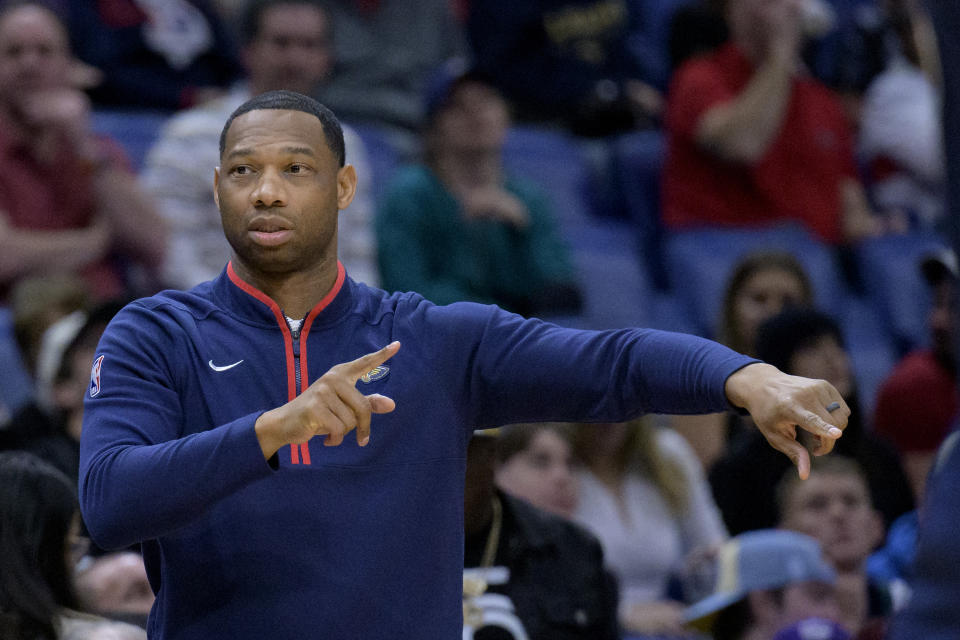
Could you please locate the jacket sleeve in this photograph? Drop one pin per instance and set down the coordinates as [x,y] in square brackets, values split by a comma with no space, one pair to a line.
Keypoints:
[140,477]
[527,370]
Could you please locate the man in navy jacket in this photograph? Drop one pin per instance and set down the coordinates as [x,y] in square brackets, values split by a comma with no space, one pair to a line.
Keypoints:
[202,419]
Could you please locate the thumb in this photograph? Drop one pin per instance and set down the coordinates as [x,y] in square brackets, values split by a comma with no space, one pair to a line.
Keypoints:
[381,404]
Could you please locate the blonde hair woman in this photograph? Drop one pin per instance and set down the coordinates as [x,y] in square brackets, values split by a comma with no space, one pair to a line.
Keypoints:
[643,494]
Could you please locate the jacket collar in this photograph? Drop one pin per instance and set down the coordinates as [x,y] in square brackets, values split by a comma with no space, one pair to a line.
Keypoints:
[252,305]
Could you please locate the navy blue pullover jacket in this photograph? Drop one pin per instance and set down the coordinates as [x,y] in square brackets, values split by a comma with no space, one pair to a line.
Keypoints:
[334,542]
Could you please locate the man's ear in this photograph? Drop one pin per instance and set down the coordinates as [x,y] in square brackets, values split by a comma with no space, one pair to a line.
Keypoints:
[216,185]
[346,186]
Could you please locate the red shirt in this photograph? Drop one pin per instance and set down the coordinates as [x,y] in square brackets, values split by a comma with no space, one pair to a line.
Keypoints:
[798,178]
[58,197]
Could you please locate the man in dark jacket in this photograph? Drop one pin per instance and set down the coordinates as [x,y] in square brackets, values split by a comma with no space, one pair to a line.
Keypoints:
[554,576]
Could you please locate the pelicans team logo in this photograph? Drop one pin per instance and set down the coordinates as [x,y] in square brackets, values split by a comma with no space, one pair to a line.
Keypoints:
[375,374]
[95,377]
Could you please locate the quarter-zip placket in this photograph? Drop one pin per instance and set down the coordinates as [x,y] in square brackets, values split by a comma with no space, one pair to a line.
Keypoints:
[296,384]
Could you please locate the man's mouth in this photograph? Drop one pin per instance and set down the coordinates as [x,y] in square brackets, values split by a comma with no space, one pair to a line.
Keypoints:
[269,233]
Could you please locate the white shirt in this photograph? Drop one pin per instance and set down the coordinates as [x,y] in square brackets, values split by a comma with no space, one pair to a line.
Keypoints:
[645,545]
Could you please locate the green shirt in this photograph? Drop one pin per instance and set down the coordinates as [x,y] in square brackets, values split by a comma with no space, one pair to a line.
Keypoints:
[427,245]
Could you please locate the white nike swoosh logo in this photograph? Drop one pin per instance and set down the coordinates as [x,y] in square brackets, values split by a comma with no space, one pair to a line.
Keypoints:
[224,368]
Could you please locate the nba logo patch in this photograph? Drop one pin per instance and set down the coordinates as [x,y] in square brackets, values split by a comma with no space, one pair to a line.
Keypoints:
[95,377]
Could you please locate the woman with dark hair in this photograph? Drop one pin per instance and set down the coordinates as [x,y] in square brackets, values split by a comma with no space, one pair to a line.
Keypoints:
[803,341]
[761,285]
[39,540]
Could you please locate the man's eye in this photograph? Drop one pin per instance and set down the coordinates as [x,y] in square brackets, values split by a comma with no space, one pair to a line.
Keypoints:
[240,171]
[298,168]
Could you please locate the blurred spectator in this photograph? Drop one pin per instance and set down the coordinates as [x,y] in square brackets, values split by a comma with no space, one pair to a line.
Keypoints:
[385,53]
[766,579]
[555,578]
[761,285]
[637,483]
[50,425]
[833,505]
[153,54]
[932,612]
[804,342]
[286,45]
[901,134]
[917,403]
[459,228]
[761,141]
[67,201]
[38,302]
[569,61]
[535,463]
[38,547]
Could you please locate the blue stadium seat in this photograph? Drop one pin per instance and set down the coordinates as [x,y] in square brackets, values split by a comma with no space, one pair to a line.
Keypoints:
[872,349]
[699,262]
[552,159]
[135,131]
[889,270]
[615,288]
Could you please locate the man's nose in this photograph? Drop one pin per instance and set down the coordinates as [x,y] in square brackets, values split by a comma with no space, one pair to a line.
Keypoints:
[270,190]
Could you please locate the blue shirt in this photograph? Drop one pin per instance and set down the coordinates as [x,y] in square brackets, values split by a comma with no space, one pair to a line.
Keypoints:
[334,542]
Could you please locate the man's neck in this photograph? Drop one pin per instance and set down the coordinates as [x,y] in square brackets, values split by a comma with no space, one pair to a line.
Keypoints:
[296,293]
[852,598]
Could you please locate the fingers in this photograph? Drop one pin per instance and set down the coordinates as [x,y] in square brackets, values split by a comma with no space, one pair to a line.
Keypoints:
[349,409]
[815,424]
[794,450]
[364,364]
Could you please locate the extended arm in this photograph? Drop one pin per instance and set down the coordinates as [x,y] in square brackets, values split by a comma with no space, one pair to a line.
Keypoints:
[24,251]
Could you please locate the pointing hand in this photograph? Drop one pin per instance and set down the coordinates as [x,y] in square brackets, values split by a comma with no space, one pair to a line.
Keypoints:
[331,406]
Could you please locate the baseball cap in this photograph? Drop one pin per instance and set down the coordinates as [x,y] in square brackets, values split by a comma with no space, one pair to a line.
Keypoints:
[813,629]
[758,560]
[939,264]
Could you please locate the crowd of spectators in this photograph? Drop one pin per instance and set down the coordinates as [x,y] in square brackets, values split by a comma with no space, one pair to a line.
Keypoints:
[817,117]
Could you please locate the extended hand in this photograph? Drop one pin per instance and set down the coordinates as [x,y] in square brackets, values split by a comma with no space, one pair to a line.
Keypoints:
[779,403]
[331,406]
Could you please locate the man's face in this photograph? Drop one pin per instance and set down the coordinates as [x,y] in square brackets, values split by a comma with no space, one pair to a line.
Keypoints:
[279,188]
[34,53]
[825,358]
[798,601]
[835,509]
[475,117]
[292,49]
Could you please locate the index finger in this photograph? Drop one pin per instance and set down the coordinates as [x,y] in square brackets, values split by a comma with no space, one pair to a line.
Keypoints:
[356,368]
[815,424]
